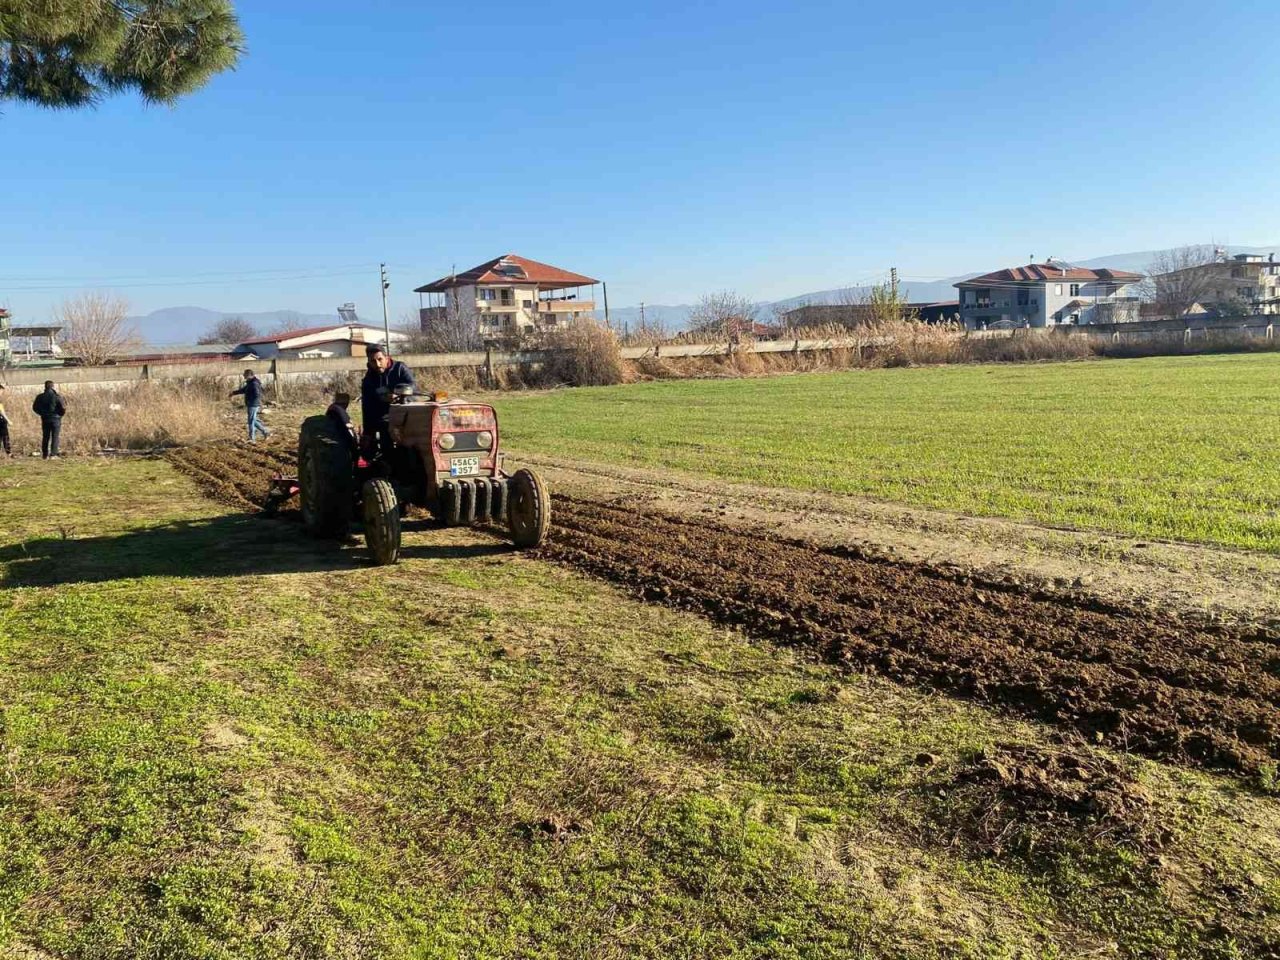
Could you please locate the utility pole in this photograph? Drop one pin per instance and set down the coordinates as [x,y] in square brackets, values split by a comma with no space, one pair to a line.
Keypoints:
[893,281]
[641,314]
[386,325]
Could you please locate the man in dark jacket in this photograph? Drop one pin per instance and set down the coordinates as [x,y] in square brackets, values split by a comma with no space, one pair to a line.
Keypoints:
[252,391]
[337,412]
[48,406]
[383,376]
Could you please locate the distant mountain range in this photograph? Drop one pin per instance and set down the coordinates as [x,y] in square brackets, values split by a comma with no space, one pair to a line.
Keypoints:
[172,325]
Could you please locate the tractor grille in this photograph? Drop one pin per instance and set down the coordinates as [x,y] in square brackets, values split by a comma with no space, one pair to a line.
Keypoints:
[466,443]
[473,500]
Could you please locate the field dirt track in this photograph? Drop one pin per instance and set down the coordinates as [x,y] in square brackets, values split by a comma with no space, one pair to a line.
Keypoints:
[1147,682]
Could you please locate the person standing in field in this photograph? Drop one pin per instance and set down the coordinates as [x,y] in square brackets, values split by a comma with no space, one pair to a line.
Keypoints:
[252,390]
[4,426]
[48,406]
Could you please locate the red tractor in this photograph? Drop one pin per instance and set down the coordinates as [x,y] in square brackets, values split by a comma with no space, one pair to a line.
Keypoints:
[442,454]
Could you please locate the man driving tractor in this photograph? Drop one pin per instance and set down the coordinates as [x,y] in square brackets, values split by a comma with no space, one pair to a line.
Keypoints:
[383,376]
[418,449]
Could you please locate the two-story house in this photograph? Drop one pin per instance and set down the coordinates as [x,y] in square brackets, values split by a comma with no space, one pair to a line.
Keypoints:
[1048,295]
[509,296]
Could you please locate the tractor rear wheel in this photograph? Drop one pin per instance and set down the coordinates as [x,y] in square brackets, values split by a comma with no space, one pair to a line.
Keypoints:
[381,521]
[326,479]
[528,508]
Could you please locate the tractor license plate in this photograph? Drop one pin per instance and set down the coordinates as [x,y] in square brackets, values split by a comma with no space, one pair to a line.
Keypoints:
[464,466]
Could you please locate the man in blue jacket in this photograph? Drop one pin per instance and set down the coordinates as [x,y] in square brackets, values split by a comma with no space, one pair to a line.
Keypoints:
[382,376]
[252,391]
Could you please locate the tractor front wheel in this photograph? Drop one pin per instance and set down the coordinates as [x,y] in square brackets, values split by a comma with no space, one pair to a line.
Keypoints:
[381,521]
[528,509]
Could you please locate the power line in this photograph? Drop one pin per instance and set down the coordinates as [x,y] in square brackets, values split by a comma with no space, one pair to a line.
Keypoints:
[152,279]
[222,281]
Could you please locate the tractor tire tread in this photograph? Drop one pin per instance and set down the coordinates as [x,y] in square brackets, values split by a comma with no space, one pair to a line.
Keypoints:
[381,521]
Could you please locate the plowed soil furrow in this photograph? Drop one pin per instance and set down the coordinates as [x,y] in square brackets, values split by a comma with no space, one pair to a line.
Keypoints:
[1134,648]
[1146,682]
[1142,683]
[234,474]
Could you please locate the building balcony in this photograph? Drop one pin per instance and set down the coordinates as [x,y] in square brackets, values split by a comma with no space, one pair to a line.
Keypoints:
[565,306]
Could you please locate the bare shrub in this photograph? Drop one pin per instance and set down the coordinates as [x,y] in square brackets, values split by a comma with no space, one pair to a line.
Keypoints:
[452,328]
[654,368]
[722,315]
[647,330]
[746,362]
[1030,345]
[582,354]
[1179,279]
[95,328]
[911,343]
[229,330]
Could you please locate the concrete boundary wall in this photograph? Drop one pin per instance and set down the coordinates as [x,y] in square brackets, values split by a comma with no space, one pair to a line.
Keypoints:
[26,380]
[31,379]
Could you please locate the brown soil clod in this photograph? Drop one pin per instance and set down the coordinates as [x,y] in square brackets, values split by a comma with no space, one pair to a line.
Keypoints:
[1024,797]
[557,828]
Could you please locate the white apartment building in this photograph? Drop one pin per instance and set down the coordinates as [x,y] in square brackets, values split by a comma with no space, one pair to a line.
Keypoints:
[1048,295]
[509,296]
[1247,279]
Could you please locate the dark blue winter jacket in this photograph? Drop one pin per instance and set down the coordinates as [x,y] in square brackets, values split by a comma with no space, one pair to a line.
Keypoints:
[373,408]
[252,391]
[48,405]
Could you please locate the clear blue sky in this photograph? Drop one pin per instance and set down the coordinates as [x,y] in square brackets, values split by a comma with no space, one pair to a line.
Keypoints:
[668,148]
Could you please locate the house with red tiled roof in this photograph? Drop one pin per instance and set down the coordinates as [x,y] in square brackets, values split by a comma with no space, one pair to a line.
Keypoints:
[1048,294]
[508,296]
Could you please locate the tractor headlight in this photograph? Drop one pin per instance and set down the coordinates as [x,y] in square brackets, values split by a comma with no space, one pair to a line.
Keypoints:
[484,439]
[446,441]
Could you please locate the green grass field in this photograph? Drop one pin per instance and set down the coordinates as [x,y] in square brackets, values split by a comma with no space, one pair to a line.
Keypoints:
[220,740]
[1184,448]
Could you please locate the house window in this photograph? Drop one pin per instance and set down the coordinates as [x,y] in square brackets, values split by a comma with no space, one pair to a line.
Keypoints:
[1237,273]
[526,304]
[488,294]
[1024,297]
[506,297]
[508,319]
[1245,291]
[1075,290]
[1057,289]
